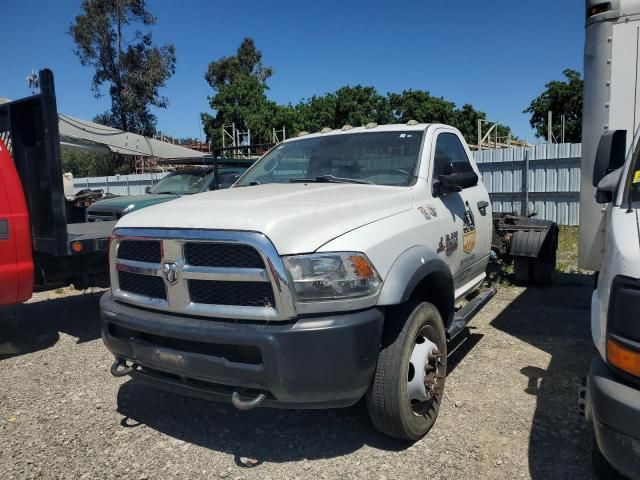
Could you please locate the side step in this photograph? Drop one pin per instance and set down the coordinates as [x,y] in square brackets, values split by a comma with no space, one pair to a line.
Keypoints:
[466,313]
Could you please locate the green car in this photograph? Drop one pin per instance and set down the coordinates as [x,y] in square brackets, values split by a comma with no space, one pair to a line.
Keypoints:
[184,180]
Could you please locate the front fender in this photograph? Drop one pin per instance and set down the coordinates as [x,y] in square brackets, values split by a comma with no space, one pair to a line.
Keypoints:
[409,269]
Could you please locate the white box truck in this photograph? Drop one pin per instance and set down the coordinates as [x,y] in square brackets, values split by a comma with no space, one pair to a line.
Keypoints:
[610,232]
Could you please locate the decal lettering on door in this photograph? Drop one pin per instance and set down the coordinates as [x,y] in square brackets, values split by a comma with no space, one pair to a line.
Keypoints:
[448,243]
[468,230]
[428,212]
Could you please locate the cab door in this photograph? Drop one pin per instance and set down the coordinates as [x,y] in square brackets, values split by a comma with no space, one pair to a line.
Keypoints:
[16,264]
[468,244]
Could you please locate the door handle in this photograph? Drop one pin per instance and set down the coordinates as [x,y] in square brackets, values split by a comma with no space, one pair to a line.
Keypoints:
[482,206]
[4,229]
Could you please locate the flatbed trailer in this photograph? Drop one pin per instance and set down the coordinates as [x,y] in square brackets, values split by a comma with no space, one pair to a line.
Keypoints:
[39,249]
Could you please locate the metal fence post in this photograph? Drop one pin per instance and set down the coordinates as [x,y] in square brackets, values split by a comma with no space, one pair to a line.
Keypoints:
[524,208]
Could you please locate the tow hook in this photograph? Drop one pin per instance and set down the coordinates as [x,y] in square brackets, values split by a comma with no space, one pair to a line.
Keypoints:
[248,405]
[582,396]
[121,369]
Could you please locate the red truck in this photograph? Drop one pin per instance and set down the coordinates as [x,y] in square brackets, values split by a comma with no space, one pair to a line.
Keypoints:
[38,248]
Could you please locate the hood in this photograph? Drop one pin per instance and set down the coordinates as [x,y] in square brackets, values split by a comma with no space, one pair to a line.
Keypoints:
[297,217]
[118,204]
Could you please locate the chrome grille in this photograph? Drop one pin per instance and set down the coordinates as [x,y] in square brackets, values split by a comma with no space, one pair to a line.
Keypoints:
[253,294]
[222,255]
[219,274]
[149,251]
[142,285]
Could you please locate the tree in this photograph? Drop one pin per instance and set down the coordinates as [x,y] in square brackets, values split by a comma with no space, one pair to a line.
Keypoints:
[240,88]
[361,105]
[239,84]
[348,105]
[88,164]
[420,106]
[133,68]
[561,98]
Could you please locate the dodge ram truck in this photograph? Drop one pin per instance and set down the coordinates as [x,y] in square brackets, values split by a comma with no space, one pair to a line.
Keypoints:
[337,267]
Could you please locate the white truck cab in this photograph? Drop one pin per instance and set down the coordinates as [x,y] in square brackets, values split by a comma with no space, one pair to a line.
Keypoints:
[338,266]
[610,232]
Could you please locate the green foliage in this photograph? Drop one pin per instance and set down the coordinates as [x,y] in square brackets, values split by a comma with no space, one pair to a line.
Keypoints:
[90,164]
[561,98]
[239,84]
[133,68]
[421,106]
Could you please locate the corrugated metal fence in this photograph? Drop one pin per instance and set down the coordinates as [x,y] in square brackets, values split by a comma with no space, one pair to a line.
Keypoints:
[119,184]
[546,178]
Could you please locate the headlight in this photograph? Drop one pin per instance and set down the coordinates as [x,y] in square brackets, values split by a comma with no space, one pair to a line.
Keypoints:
[332,276]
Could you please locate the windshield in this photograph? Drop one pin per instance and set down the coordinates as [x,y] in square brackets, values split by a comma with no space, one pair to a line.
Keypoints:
[182,183]
[381,158]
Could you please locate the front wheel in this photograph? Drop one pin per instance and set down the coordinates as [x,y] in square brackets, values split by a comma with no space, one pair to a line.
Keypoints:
[405,395]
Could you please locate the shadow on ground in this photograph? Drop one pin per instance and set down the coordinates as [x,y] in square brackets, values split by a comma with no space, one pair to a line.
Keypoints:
[268,435]
[35,326]
[557,321]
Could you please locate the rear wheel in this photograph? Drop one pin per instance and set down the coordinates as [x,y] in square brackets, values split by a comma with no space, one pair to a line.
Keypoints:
[404,398]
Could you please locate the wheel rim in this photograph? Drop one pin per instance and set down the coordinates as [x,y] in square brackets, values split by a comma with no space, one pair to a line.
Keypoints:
[425,375]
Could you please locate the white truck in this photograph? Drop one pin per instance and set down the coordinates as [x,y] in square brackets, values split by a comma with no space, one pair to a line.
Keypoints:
[610,232]
[337,267]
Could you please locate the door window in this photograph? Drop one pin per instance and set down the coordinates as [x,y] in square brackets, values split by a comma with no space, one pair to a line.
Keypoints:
[450,156]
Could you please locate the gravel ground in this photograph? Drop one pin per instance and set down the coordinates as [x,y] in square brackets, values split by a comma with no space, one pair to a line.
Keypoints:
[510,408]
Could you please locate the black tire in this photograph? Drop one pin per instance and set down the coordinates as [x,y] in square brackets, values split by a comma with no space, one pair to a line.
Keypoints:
[388,399]
[603,469]
[522,268]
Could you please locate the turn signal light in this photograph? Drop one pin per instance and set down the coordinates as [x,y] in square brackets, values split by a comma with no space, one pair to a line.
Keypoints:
[362,267]
[76,247]
[623,358]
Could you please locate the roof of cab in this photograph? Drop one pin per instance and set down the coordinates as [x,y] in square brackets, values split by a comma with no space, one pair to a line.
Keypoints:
[347,130]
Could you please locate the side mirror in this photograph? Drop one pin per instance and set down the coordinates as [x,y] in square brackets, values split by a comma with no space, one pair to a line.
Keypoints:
[147,189]
[608,187]
[610,155]
[458,176]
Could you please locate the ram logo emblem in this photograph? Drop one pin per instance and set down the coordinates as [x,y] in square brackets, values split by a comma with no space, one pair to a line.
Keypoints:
[170,272]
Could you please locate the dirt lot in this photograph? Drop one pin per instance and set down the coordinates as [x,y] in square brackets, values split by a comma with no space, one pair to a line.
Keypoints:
[510,410]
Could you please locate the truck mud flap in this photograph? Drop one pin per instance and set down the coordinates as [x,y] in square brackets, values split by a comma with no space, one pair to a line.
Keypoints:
[530,243]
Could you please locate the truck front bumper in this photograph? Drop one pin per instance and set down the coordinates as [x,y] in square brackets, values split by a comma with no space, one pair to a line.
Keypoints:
[320,362]
[613,408]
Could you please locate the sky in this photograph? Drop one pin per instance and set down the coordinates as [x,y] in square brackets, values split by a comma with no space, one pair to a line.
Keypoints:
[495,54]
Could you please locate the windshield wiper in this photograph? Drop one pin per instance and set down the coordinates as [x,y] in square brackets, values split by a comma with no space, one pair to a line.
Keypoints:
[165,193]
[329,179]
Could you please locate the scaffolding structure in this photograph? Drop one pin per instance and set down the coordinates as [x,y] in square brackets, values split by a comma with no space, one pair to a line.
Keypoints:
[234,137]
[278,136]
[488,137]
[551,138]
